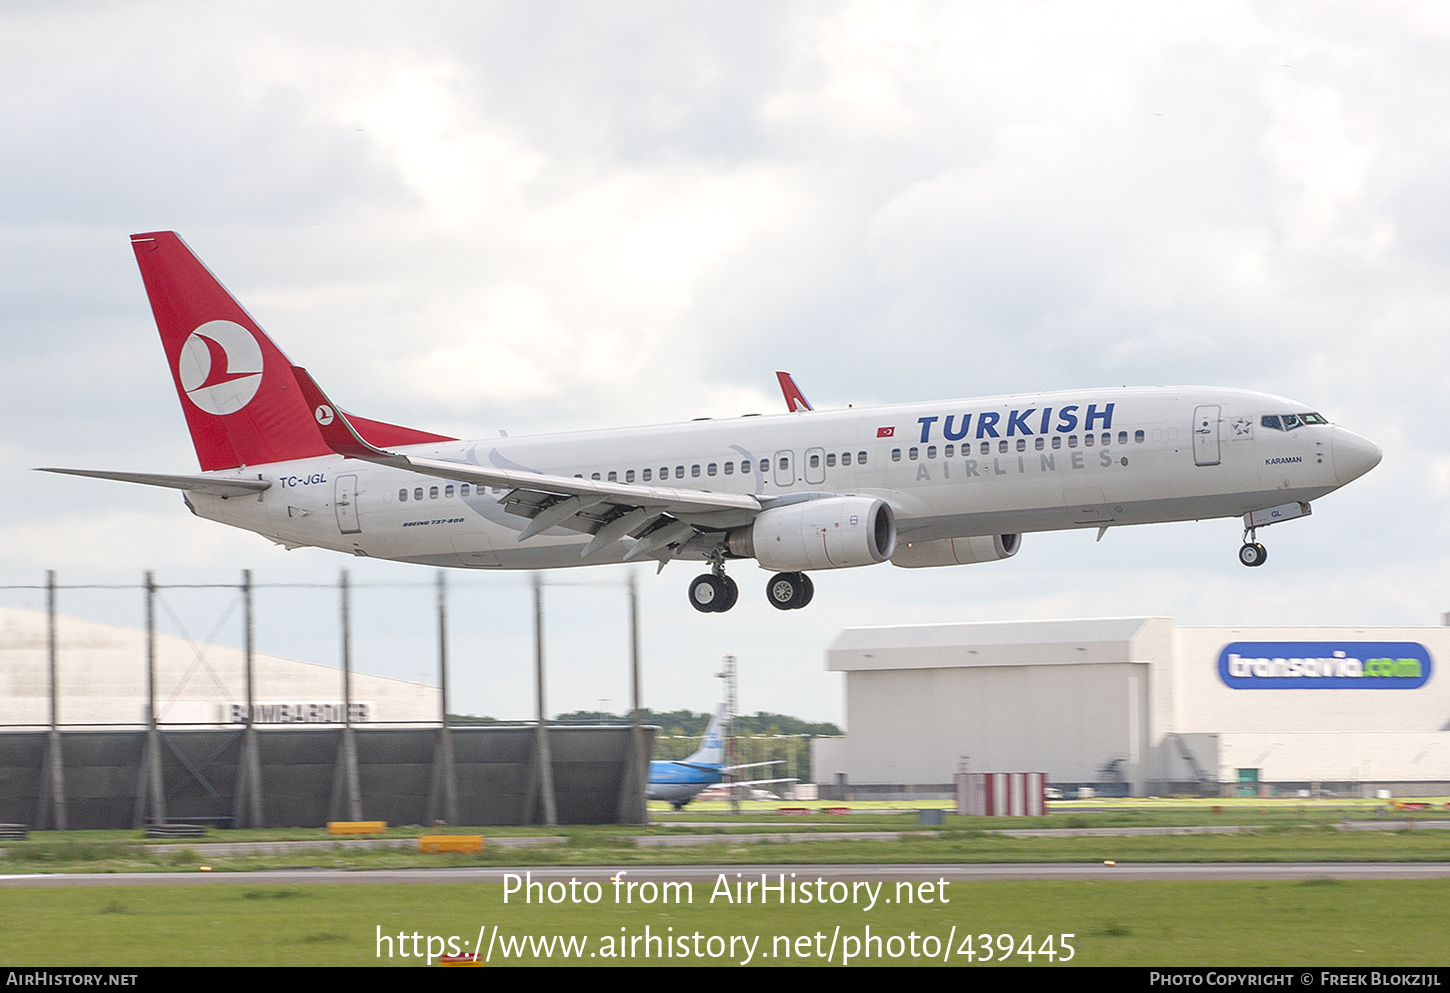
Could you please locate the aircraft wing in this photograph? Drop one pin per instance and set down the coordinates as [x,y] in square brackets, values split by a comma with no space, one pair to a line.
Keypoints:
[214,485]
[751,765]
[755,782]
[658,516]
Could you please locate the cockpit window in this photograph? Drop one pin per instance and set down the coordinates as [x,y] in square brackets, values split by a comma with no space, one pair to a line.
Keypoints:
[1288,422]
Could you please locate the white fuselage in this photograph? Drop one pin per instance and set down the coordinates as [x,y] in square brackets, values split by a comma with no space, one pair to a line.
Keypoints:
[948,469]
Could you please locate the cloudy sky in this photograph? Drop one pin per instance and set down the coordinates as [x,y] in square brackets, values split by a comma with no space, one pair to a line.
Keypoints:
[545,215]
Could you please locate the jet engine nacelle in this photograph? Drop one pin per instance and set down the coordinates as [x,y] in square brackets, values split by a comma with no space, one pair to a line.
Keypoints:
[832,533]
[956,551]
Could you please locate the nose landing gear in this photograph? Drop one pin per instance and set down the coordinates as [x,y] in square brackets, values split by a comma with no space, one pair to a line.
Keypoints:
[1251,553]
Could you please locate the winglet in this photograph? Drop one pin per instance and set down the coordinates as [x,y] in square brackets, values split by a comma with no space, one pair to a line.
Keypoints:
[337,432]
[795,400]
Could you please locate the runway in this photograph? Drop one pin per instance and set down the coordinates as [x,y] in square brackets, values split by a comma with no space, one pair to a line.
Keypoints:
[956,872]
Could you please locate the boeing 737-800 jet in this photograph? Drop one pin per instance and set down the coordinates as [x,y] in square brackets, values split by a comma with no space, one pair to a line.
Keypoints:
[923,484]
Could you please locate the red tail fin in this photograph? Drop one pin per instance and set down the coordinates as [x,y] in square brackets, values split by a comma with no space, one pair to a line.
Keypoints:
[242,404]
[795,400]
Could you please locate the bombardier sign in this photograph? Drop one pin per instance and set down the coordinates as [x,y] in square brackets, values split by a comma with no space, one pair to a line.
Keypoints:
[1324,665]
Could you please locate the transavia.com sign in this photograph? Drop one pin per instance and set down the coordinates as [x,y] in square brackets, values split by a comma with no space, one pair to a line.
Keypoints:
[1324,665]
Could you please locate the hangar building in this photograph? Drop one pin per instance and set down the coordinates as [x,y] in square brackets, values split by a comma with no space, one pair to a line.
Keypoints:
[1143,706]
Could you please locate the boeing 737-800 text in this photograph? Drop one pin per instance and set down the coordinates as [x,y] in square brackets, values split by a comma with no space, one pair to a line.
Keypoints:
[922,484]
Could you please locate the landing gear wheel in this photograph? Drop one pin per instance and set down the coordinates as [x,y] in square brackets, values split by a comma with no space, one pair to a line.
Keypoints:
[732,593]
[789,590]
[1253,555]
[707,593]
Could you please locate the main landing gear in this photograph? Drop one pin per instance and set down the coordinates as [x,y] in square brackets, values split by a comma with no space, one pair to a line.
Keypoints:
[711,594]
[789,590]
[715,592]
[1251,553]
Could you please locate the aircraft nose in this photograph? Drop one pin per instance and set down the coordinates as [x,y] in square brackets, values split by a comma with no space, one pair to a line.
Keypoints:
[1353,455]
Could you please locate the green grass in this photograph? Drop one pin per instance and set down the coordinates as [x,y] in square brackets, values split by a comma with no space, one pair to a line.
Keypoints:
[1317,922]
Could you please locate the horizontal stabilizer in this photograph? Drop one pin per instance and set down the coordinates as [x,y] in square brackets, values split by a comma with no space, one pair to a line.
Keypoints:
[213,485]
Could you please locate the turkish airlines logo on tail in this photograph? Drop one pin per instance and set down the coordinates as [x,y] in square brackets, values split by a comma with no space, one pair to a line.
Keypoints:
[220,367]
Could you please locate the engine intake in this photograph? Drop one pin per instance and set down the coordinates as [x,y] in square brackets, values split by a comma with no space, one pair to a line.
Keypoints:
[834,533]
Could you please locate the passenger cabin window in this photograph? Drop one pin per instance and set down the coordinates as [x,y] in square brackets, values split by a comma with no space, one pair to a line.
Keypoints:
[896,455]
[695,469]
[1138,437]
[1108,438]
[830,460]
[448,490]
[815,461]
[1057,441]
[647,475]
[1072,441]
[1087,440]
[594,475]
[418,493]
[764,466]
[1040,443]
[629,475]
[1122,437]
[432,493]
[729,468]
[911,453]
[949,451]
[931,451]
[463,490]
[1002,445]
[403,496]
[710,469]
[845,458]
[613,476]
[860,458]
[1021,444]
[679,472]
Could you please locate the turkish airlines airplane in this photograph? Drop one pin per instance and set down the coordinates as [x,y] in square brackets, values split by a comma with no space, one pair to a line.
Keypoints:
[922,484]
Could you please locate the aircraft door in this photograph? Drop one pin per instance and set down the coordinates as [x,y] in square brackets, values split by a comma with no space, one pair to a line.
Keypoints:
[1205,434]
[784,468]
[345,502]
[815,465]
